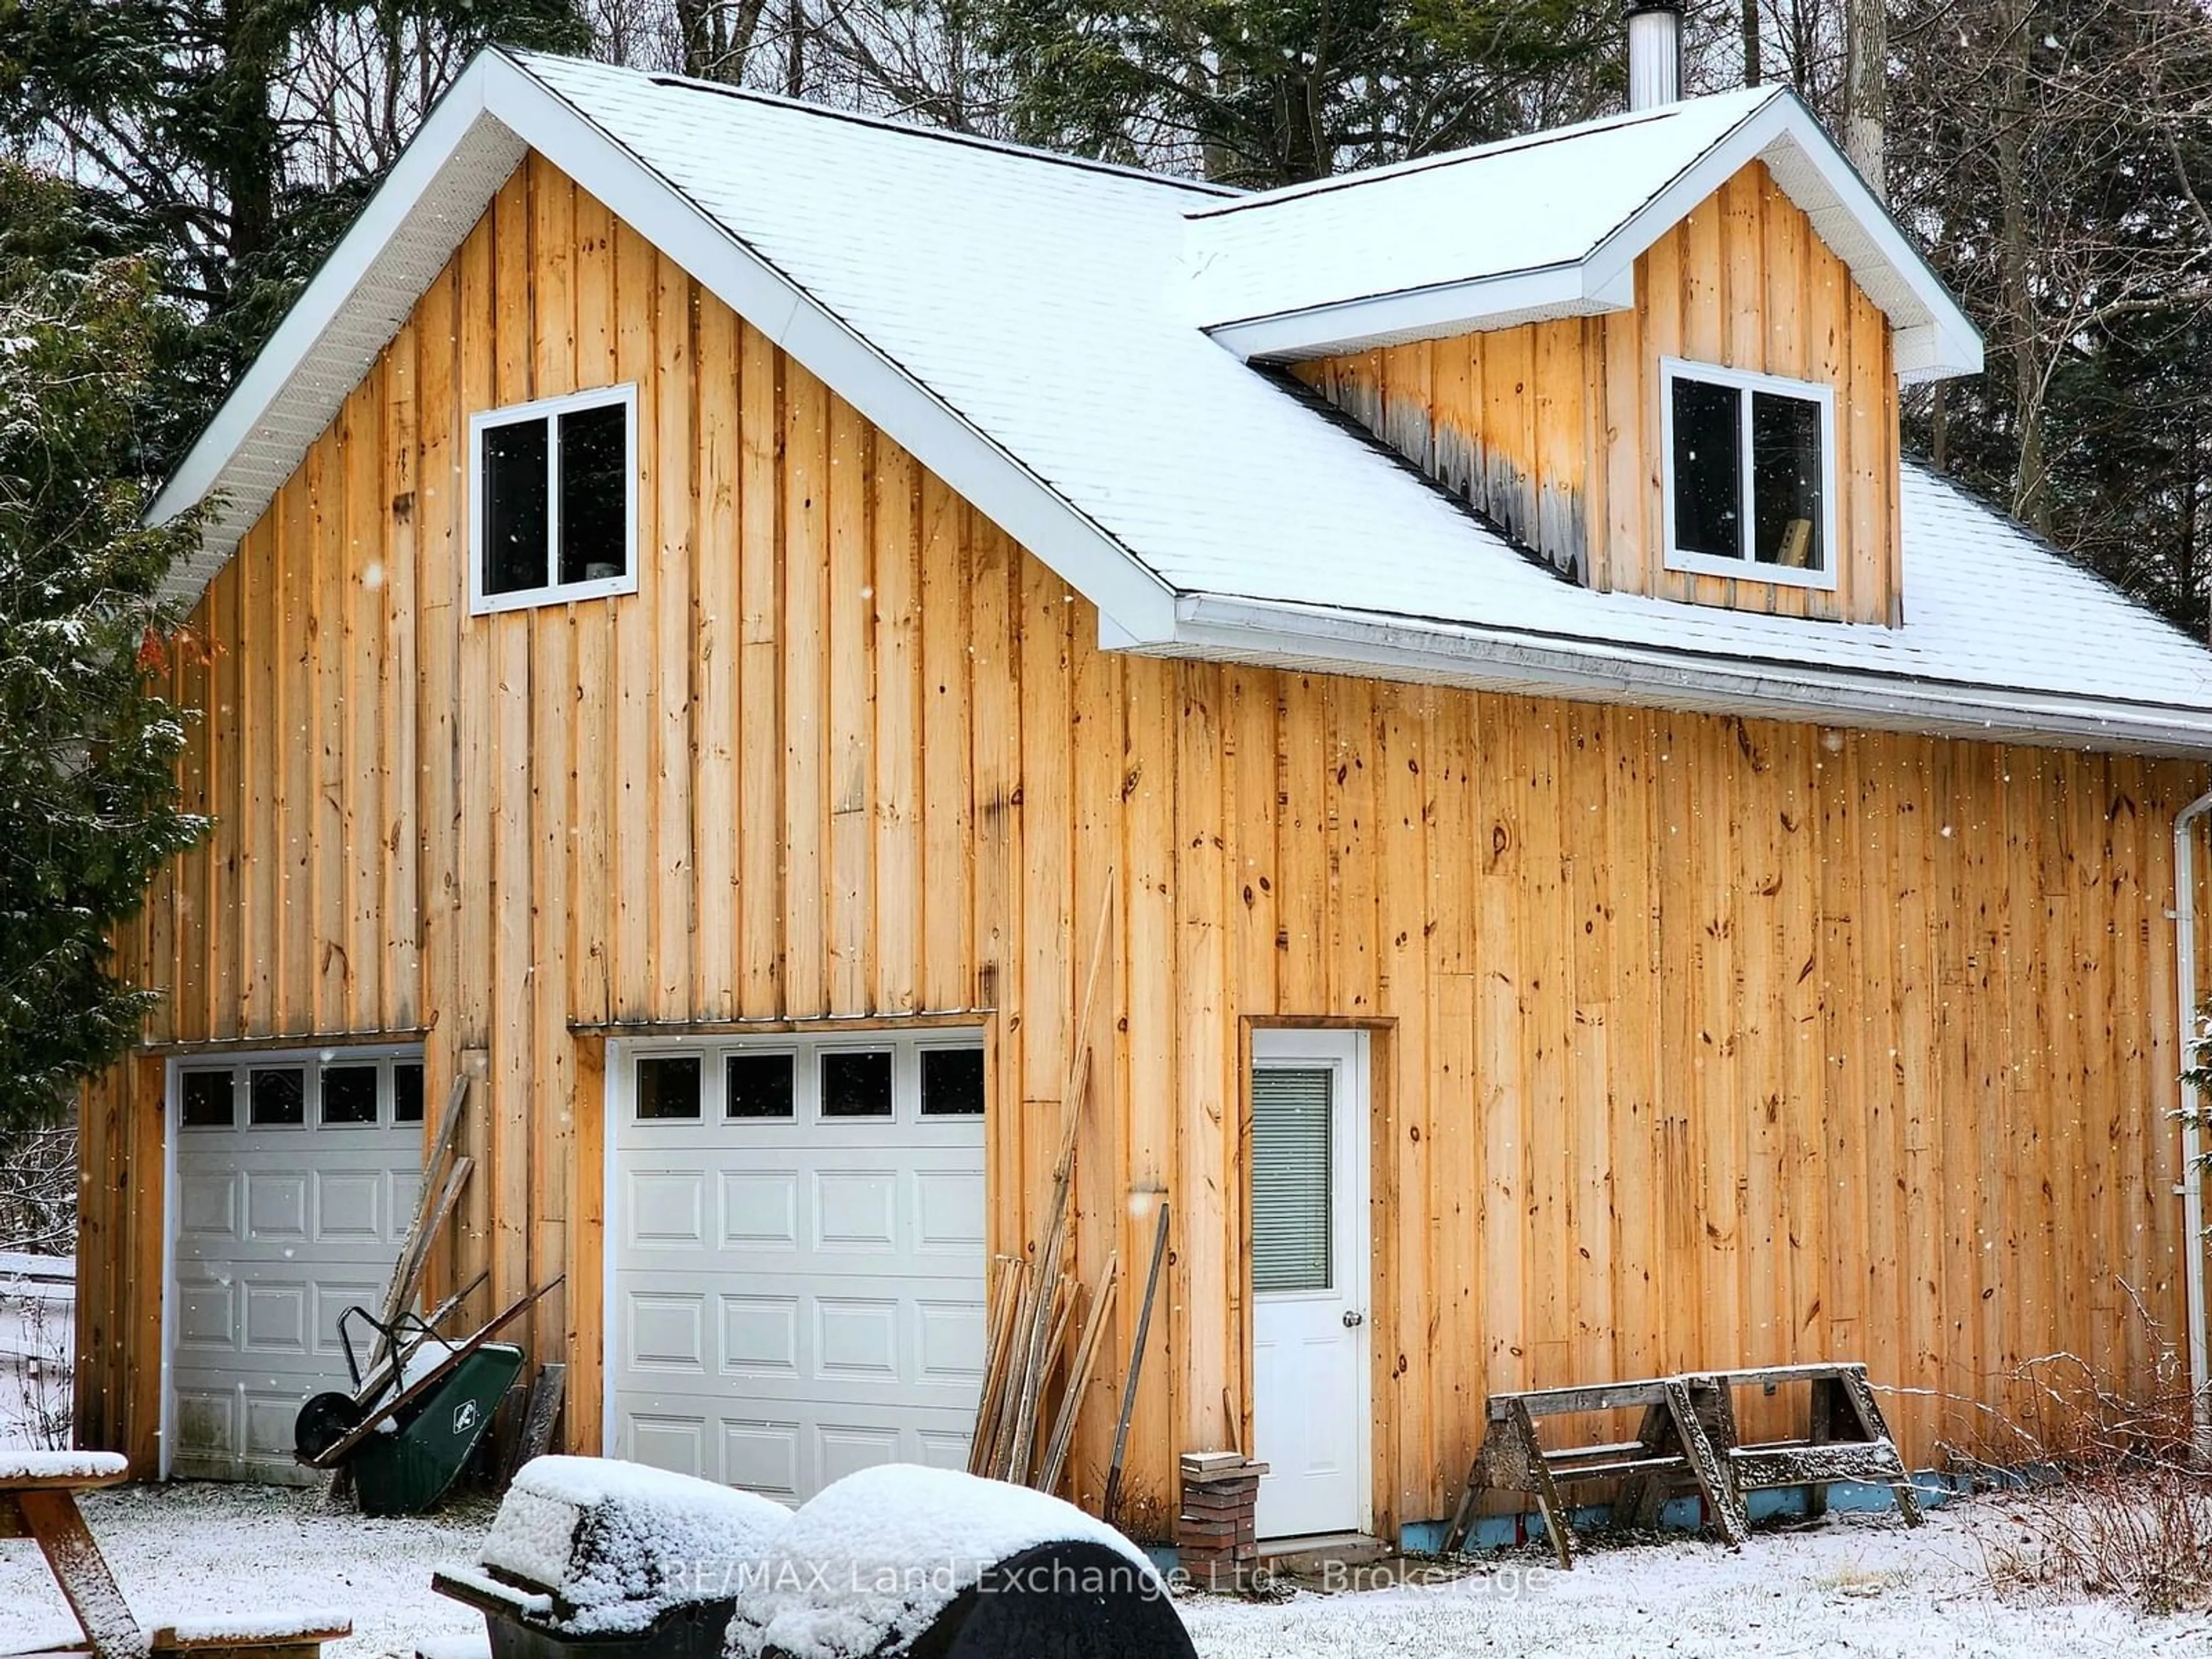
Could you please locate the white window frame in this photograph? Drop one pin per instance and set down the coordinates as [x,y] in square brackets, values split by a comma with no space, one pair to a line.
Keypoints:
[1745,568]
[554,592]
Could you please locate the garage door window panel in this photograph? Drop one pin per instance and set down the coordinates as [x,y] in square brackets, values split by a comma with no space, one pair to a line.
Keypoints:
[208,1100]
[668,1088]
[952,1083]
[407,1091]
[346,1097]
[278,1097]
[856,1084]
[759,1086]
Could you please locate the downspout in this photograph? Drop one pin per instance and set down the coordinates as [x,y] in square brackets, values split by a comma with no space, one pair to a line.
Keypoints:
[2192,1169]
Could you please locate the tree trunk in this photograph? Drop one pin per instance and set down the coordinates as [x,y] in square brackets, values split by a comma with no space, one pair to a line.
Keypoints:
[1866,89]
[794,50]
[247,157]
[692,26]
[1750,24]
[1299,156]
[742,33]
[2030,499]
[2186,579]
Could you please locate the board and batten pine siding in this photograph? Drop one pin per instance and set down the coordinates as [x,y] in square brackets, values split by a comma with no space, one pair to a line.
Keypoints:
[1553,429]
[1697,1040]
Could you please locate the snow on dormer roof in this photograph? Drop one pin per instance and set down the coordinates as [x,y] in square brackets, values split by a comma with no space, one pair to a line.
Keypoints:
[1546,225]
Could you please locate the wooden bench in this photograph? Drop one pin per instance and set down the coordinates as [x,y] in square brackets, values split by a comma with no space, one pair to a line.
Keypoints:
[1687,1442]
[271,1636]
[37,1501]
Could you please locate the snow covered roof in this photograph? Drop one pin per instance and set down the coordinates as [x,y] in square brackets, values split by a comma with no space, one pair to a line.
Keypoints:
[1546,225]
[1022,323]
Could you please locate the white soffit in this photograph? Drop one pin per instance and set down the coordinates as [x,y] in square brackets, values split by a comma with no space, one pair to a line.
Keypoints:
[329,340]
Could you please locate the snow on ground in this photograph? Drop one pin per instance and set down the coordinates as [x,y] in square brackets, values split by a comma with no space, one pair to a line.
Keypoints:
[38,1305]
[1858,1584]
[200,1550]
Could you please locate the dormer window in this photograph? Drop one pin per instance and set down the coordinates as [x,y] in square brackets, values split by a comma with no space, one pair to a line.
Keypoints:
[1750,470]
[554,503]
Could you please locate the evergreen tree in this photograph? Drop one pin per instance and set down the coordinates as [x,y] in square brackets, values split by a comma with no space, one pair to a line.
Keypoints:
[233,139]
[1262,92]
[89,808]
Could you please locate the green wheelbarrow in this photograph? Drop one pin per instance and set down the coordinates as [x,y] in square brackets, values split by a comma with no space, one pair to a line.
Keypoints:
[409,1438]
[421,1451]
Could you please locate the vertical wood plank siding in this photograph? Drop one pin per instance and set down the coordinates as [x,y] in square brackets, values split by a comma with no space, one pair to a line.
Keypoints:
[1553,429]
[1699,1040]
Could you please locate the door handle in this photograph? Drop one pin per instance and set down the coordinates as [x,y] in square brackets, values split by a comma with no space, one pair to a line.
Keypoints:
[1353,1317]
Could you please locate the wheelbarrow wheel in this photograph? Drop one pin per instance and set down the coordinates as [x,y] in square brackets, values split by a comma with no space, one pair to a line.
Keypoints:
[323,1421]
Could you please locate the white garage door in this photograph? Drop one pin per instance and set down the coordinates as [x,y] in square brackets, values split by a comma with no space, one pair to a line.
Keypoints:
[798,1286]
[295,1176]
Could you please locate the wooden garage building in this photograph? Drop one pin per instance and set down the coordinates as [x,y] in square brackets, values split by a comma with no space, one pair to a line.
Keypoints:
[1612,870]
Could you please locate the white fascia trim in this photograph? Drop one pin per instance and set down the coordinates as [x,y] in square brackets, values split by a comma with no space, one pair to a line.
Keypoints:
[1480,302]
[1497,658]
[1940,343]
[447,133]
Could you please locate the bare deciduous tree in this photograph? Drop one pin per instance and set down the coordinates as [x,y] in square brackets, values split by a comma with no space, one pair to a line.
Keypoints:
[38,1191]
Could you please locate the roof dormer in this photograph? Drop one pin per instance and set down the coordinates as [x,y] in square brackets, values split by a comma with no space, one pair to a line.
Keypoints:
[1665,355]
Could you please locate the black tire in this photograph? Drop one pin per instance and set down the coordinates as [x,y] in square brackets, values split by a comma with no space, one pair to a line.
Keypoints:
[323,1422]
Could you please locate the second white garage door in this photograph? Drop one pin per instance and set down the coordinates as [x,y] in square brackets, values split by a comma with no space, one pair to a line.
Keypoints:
[798,1281]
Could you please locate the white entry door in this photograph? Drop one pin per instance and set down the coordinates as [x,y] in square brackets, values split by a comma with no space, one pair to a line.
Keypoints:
[1309,1280]
[797,1272]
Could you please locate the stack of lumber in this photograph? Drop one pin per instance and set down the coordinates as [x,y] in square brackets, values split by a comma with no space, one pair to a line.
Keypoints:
[1024,1425]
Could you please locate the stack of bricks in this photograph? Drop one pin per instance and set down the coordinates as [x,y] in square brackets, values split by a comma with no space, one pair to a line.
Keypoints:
[1216,1537]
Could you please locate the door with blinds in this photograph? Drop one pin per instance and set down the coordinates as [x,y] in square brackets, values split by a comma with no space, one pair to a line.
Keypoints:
[1308,1206]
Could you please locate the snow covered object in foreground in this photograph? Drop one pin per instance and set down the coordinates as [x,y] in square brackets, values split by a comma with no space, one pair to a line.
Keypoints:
[593,1554]
[35,1463]
[930,1564]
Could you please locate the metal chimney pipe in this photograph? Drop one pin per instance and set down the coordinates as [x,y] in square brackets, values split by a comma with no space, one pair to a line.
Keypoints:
[1654,53]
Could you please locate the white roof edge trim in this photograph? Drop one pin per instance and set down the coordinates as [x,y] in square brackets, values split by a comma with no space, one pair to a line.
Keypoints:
[1536,139]
[495,92]
[1561,290]
[444,134]
[1938,344]
[971,465]
[1508,660]
[1934,339]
